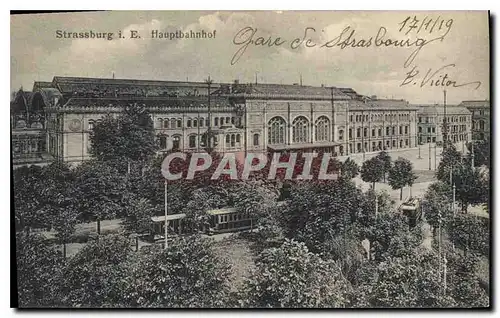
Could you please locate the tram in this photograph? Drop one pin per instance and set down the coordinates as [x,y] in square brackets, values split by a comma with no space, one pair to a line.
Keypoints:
[412,209]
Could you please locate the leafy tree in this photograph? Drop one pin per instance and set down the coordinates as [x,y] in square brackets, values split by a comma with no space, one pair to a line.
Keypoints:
[401,175]
[130,136]
[436,205]
[138,217]
[465,286]
[38,267]
[97,276]
[470,233]
[100,191]
[412,280]
[349,169]
[472,187]
[384,157]
[372,170]
[482,152]
[451,157]
[30,194]
[292,277]
[186,275]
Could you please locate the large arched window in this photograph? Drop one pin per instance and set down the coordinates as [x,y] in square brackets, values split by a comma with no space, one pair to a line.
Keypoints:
[322,129]
[276,131]
[300,129]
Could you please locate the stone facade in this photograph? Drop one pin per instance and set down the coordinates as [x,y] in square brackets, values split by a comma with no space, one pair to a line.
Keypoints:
[241,117]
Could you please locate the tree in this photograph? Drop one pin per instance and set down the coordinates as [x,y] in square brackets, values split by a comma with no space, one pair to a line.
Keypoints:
[384,157]
[138,217]
[30,194]
[349,169]
[130,136]
[186,275]
[38,267]
[470,233]
[401,175]
[372,170]
[471,184]
[450,158]
[98,275]
[412,280]
[100,191]
[482,152]
[292,277]
[436,205]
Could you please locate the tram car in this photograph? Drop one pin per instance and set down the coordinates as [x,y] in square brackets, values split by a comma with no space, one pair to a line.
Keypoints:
[219,221]
[228,220]
[412,209]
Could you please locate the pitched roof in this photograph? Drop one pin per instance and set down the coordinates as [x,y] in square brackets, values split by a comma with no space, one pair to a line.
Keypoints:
[476,103]
[439,110]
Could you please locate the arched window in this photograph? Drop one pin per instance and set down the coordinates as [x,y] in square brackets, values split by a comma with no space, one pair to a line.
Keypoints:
[233,140]
[188,124]
[228,140]
[300,129]
[202,121]
[166,123]
[195,122]
[159,123]
[322,129]
[179,123]
[276,131]
[256,139]
[163,141]
[176,143]
[192,141]
[238,138]
[91,124]
[216,123]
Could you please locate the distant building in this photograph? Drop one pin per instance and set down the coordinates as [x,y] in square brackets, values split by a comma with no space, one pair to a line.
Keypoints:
[53,121]
[431,119]
[480,110]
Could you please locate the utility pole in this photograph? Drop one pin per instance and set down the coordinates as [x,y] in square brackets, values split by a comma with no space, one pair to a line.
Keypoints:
[453,204]
[429,156]
[418,140]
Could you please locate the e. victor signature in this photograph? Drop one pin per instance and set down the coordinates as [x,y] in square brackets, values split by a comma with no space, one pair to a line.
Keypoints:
[434,78]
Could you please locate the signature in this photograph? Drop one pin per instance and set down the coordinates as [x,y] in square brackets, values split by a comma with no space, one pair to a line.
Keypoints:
[348,38]
[434,78]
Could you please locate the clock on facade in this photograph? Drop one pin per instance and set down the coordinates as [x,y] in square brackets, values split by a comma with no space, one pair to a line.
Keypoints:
[75,125]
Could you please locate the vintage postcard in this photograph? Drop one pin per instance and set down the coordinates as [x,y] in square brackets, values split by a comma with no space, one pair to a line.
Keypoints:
[260,159]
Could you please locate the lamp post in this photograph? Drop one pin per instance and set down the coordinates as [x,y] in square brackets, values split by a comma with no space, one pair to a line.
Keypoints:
[418,140]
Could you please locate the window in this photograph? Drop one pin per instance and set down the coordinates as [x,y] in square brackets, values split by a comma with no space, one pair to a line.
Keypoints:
[406,130]
[159,123]
[300,129]
[322,129]
[179,123]
[433,129]
[166,123]
[373,134]
[428,129]
[192,141]
[400,130]
[358,132]
[365,132]
[188,123]
[207,122]
[393,130]
[163,142]
[379,132]
[350,133]
[232,120]
[228,140]
[195,122]
[176,143]
[216,121]
[341,134]
[228,120]
[387,131]
[276,131]
[256,139]
[91,124]
[419,129]
[238,139]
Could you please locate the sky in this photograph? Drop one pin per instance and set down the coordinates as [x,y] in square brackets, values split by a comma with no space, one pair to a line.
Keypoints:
[460,46]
